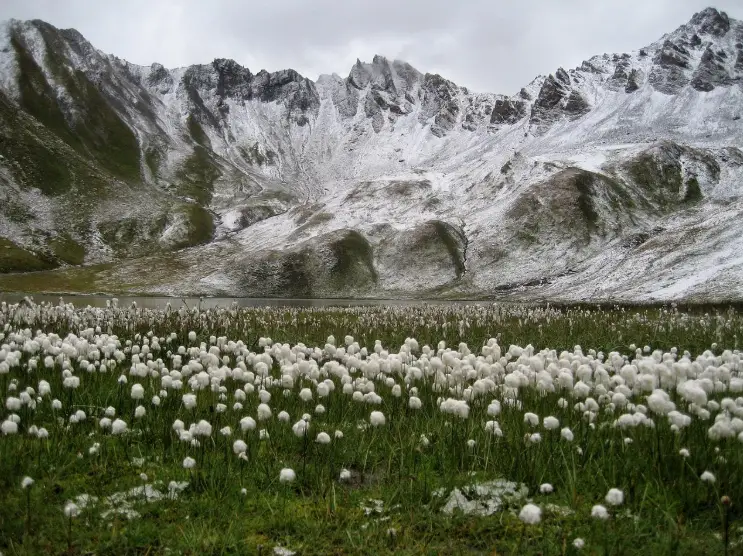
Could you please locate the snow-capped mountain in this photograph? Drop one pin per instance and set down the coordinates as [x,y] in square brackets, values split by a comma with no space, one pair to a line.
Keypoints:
[619,179]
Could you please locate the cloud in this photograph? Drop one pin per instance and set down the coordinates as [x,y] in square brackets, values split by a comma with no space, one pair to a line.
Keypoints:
[484,45]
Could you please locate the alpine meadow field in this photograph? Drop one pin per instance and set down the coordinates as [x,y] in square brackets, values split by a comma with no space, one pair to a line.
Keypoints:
[424,429]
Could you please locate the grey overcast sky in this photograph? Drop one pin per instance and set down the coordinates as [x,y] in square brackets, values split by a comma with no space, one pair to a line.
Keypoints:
[486,45]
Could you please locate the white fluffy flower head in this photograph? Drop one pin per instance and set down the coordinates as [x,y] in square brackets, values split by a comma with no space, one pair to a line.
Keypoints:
[614,497]
[599,512]
[530,514]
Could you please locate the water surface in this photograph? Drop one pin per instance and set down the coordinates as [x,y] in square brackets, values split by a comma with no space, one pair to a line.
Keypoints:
[210,302]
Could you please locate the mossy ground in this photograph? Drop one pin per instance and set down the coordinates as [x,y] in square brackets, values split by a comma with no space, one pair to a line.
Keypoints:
[354,262]
[14,258]
[196,177]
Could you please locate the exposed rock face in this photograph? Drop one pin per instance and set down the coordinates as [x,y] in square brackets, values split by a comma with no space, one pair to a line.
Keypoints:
[710,72]
[159,79]
[507,111]
[439,102]
[233,80]
[297,93]
[669,73]
[711,22]
[634,80]
[557,100]
[390,89]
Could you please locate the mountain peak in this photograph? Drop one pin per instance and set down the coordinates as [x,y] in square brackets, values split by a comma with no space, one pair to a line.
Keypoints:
[710,21]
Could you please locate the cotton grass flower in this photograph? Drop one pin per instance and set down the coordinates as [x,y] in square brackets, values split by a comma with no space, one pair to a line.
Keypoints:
[684,453]
[493,428]
[551,423]
[247,424]
[137,392]
[189,463]
[189,401]
[71,509]
[203,428]
[323,438]
[614,497]
[707,477]
[599,512]
[377,418]
[535,438]
[345,475]
[26,482]
[531,419]
[300,428]
[546,488]
[118,427]
[264,412]
[530,514]
[567,434]
[452,406]
[9,427]
[239,447]
[287,475]
[579,543]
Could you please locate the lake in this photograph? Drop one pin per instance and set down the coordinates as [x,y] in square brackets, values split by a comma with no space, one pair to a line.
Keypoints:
[210,302]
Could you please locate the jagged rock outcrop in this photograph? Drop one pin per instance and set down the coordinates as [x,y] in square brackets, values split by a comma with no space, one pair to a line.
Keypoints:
[507,111]
[557,99]
[711,71]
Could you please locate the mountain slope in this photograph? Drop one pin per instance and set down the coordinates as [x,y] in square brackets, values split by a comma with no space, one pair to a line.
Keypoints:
[612,180]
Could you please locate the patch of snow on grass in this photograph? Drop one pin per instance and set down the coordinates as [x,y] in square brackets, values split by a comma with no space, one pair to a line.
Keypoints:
[122,503]
[483,498]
